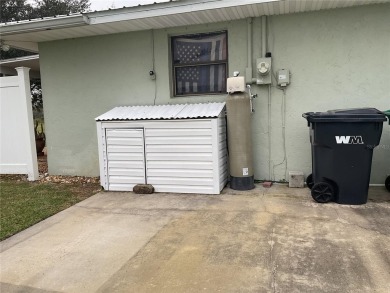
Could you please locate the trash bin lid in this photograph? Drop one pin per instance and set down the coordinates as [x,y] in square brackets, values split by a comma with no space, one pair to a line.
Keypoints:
[347,115]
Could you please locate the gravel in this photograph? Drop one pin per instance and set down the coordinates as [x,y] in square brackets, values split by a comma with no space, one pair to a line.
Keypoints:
[44,176]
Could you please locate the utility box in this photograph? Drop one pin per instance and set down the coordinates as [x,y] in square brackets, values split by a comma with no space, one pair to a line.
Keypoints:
[175,148]
[283,77]
[235,84]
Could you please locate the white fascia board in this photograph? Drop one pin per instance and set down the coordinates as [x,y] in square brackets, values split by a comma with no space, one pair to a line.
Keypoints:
[165,9]
[42,24]
[18,59]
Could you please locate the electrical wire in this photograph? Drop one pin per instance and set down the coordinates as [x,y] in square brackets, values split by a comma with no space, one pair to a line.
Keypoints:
[283,114]
[284,133]
[269,133]
[267,34]
[270,45]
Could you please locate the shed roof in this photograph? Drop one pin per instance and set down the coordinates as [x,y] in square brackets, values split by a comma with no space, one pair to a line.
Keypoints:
[163,112]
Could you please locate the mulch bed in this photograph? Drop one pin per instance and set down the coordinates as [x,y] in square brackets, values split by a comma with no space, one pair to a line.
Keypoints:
[42,164]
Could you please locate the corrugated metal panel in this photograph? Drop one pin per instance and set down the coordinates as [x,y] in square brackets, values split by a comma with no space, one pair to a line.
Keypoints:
[180,165]
[180,159]
[222,153]
[163,112]
[125,158]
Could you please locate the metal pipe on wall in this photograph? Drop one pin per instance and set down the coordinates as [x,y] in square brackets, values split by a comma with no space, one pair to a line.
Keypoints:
[249,30]
[248,70]
[263,52]
[269,135]
[263,35]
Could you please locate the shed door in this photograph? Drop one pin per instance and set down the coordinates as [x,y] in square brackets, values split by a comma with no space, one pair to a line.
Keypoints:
[125,158]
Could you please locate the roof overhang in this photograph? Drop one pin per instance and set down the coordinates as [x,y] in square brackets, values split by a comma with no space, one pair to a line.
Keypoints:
[184,8]
[8,65]
[22,35]
[27,34]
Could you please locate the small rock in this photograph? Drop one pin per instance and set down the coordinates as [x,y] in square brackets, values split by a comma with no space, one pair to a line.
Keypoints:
[143,189]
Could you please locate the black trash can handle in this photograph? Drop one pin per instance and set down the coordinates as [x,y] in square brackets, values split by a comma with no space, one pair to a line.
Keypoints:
[306,116]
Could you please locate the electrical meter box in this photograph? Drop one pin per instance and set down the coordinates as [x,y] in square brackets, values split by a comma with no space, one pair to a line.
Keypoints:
[236,84]
[283,77]
[263,70]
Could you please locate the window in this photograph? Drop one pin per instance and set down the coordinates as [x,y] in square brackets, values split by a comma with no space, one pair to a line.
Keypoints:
[199,63]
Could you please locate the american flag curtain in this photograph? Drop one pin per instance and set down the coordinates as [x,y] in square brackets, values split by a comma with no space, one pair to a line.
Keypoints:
[200,63]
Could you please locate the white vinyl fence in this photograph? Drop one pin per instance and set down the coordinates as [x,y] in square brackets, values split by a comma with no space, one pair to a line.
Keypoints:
[17,141]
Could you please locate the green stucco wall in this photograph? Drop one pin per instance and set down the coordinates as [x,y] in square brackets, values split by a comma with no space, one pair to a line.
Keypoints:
[338,59]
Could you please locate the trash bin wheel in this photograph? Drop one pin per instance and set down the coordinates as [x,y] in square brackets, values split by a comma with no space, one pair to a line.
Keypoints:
[322,192]
[309,181]
[387,183]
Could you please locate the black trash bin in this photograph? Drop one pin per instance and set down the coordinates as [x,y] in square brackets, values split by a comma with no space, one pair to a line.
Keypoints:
[387,182]
[342,143]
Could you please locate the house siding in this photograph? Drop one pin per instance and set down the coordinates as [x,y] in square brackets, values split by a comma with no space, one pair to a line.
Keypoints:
[338,58]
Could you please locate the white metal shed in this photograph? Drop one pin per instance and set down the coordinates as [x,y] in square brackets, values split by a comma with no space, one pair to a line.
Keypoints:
[175,148]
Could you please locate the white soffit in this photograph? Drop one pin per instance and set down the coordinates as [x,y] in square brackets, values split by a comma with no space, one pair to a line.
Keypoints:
[27,34]
[163,112]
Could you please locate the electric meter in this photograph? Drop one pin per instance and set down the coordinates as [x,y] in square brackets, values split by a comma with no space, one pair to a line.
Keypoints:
[263,70]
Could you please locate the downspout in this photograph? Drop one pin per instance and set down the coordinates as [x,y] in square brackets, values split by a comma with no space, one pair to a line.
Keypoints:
[248,70]
[249,31]
[263,35]
[263,52]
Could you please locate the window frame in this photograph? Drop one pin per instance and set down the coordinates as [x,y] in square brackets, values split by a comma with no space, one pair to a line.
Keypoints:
[208,63]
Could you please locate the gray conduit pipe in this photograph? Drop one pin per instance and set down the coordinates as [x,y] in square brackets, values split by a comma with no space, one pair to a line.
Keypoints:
[263,52]
[249,30]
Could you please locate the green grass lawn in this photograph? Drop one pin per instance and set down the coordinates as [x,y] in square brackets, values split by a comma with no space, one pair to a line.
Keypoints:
[22,204]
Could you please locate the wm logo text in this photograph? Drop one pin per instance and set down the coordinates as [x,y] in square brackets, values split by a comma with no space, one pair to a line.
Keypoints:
[349,140]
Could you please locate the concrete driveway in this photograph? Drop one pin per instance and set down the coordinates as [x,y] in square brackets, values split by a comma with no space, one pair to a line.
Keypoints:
[266,240]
